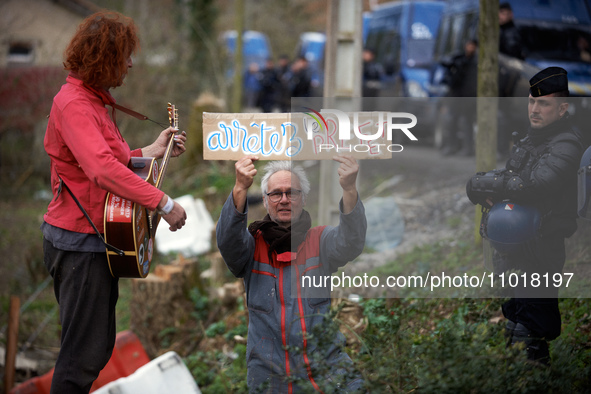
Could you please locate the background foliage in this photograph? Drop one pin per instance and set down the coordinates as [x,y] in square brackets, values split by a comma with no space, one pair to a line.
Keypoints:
[407,345]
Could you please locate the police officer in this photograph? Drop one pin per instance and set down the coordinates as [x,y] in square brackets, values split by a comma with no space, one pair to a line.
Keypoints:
[509,37]
[462,81]
[540,175]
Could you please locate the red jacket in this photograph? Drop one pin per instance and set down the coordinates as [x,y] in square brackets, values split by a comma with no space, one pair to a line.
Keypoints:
[90,155]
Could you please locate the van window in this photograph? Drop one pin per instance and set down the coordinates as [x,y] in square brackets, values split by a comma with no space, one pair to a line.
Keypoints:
[470,27]
[553,43]
[383,25]
[390,52]
[442,45]
[384,39]
[386,46]
[457,33]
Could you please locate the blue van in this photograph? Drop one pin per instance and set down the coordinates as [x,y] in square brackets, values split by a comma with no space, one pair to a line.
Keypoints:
[255,49]
[551,31]
[402,35]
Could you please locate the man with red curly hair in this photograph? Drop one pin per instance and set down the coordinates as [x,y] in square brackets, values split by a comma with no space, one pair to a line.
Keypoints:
[90,157]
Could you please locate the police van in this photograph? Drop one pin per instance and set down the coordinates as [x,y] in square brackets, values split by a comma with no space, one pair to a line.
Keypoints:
[402,35]
[558,33]
[553,33]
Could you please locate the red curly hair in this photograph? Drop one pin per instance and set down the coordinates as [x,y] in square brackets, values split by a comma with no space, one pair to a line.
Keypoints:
[101,47]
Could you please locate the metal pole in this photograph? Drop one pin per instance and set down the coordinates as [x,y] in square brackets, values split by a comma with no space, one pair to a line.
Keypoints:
[342,87]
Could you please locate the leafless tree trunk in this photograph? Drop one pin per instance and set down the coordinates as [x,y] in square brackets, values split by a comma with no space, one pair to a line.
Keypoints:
[237,86]
[487,105]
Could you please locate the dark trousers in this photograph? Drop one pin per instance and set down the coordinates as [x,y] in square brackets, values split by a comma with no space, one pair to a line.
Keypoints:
[87,294]
[539,315]
[535,308]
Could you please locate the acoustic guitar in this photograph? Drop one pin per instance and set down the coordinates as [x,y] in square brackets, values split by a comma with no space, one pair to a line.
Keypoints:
[131,227]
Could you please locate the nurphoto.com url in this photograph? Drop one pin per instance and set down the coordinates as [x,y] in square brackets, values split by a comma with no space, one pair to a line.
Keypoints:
[433,282]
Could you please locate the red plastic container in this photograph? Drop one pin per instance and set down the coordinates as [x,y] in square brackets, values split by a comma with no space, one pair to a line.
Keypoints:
[128,355]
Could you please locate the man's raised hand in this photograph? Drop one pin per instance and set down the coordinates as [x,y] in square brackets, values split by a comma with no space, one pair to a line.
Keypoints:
[245,173]
[348,170]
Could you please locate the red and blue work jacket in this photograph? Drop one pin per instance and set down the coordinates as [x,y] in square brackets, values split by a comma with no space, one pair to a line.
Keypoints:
[288,296]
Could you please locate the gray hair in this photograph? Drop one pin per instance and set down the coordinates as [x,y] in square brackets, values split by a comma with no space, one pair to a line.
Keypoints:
[276,166]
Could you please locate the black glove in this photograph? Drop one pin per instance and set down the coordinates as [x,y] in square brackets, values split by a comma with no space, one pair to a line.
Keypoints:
[485,185]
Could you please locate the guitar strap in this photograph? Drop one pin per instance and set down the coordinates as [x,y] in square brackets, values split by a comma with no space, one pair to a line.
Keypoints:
[107,99]
[131,112]
[107,245]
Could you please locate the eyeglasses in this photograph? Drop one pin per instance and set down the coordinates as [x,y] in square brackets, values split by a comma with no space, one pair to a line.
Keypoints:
[292,195]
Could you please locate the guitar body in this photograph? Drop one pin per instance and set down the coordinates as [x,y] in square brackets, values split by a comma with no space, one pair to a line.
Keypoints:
[131,227]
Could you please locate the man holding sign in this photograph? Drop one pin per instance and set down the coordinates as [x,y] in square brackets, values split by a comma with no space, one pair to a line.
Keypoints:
[273,255]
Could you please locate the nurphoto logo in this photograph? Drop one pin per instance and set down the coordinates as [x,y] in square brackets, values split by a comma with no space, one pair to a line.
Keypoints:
[367,127]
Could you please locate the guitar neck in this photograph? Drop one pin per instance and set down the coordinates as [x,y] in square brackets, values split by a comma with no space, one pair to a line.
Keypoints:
[173,119]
